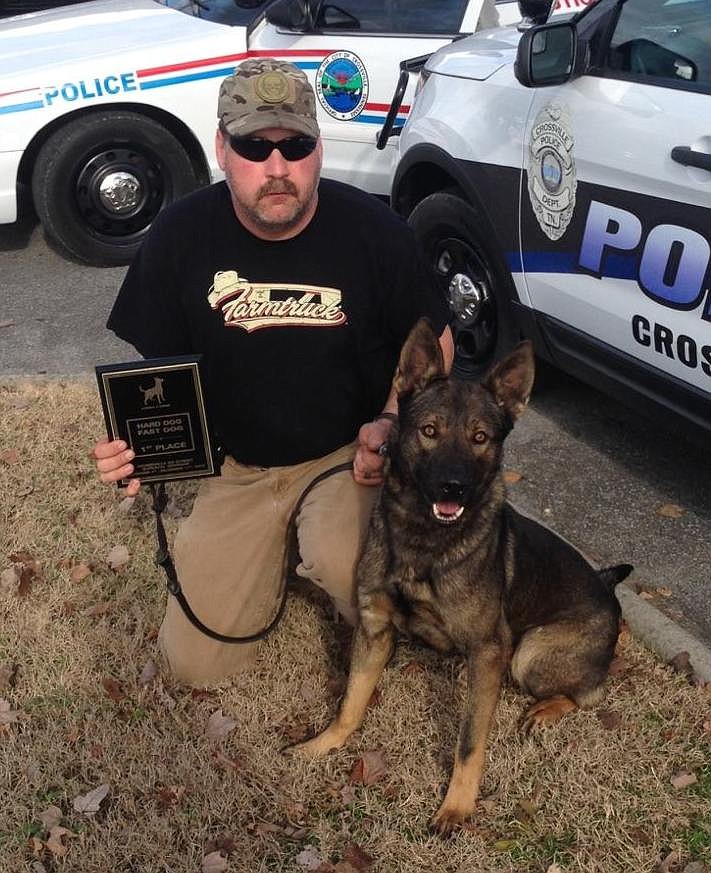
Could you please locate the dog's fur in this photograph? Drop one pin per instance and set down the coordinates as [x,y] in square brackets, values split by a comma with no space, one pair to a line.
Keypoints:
[448,560]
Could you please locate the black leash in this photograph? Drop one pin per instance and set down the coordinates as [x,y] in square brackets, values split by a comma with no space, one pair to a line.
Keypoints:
[165,560]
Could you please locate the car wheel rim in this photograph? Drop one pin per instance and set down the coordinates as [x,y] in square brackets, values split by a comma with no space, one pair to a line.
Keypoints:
[119,191]
[467,286]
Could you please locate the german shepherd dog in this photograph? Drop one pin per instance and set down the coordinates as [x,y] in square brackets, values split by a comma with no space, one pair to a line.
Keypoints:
[449,561]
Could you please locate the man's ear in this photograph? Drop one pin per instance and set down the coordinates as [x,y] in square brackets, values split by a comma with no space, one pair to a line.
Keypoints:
[220,148]
[421,360]
[511,380]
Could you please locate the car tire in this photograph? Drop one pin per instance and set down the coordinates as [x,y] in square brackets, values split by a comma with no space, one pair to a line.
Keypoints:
[100,180]
[469,270]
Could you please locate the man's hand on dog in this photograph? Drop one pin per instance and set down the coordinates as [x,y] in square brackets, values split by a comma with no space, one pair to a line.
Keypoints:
[113,461]
[369,457]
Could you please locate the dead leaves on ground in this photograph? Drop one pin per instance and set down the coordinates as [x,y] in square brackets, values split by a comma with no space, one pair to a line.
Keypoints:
[118,557]
[8,675]
[10,457]
[52,840]
[681,663]
[79,572]
[9,581]
[647,592]
[368,769]
[98,609]
[89,803]
[215,862]
[168,797]
[672,863]
[18,579]
[225,762]
[683,779]
[148,673]
[287,831]
[412,668]
[7,714]
[113,689]
[56,841]
[218,726]
[670,510]
[609,719]
[354,860]
[25,570]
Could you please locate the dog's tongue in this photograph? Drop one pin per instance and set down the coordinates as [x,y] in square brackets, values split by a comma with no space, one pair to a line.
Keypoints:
[447,507]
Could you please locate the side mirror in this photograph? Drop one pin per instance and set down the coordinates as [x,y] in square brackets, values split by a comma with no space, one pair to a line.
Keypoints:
[334,18]
[548,55]
[291,15]
[534,12]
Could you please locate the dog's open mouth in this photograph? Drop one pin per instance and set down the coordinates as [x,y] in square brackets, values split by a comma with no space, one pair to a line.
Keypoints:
[447,511]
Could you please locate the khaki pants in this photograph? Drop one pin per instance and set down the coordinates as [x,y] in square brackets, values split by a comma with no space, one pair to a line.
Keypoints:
[229,557]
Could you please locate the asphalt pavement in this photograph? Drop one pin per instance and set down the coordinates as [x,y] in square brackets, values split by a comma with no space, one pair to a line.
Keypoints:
[623,490]
[619,487]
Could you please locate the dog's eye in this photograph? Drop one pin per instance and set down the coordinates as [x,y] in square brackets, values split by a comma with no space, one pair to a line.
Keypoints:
[480,436]
[428,430]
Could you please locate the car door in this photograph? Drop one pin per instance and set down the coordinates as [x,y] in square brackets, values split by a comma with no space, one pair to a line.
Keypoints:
[351,55]
[616,202]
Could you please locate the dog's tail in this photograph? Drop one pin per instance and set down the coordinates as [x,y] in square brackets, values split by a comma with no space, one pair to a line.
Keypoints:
[612,576]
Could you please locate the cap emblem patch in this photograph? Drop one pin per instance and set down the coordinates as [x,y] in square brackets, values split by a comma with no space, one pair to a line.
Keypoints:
[272,86]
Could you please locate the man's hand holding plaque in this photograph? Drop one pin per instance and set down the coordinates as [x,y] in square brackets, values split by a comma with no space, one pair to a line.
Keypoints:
[113,461]
[156,422]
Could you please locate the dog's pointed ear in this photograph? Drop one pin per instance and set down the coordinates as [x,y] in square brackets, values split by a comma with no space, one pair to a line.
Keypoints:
[511,380]
[421,360]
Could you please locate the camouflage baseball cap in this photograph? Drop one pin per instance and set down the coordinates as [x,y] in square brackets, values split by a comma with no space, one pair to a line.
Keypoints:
[264,92]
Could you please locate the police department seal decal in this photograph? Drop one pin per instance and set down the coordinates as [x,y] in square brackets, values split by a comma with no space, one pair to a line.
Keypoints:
[342,85]
[551,171]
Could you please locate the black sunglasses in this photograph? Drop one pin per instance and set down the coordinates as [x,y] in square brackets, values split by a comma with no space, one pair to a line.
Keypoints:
[254,148]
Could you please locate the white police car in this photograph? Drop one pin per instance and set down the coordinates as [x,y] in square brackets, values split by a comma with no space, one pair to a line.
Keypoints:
[107,109]
[560,181]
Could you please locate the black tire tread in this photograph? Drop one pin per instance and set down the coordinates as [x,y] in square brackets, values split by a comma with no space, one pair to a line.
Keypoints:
[451,206]
[50,174]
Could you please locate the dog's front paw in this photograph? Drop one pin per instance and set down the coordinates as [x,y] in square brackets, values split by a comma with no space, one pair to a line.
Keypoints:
[317,747]
[449,818]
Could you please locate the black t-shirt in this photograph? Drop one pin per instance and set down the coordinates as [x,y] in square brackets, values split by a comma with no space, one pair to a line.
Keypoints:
[300,337]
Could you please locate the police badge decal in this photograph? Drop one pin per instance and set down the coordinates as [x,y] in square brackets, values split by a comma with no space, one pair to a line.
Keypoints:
[551,171]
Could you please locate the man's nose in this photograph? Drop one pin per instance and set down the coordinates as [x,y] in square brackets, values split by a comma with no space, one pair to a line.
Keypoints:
[276,164]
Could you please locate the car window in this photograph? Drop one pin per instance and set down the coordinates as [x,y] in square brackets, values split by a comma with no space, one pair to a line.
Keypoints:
[220,11]
[20,7]
[393,16]
[664,41]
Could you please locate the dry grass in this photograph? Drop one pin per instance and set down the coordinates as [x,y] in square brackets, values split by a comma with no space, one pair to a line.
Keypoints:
[579,795]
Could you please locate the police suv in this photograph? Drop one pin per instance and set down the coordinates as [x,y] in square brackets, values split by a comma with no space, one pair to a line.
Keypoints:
[107,109]
[560,181]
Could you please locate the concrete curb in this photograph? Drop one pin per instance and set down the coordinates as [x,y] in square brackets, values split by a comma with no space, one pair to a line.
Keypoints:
[660,634]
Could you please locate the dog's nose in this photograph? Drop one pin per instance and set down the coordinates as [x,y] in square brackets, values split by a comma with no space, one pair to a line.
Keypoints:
[453,490]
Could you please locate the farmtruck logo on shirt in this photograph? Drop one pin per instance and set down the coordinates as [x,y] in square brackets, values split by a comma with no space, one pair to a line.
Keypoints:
[255,305]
